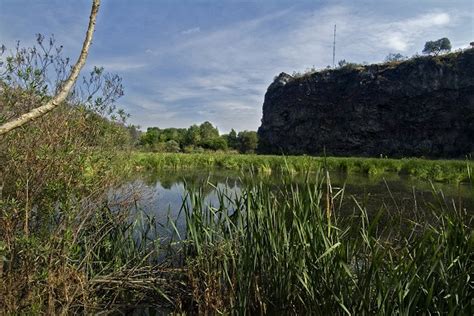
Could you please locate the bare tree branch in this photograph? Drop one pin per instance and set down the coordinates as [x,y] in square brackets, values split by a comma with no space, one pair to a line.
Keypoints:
[68,84]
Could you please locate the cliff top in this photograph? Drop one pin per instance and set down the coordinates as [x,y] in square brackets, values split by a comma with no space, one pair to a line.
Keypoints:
[444,59]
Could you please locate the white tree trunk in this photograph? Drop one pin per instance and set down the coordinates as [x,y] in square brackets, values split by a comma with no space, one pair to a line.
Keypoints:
[68,84]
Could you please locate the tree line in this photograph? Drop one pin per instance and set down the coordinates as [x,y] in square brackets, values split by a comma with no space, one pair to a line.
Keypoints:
[197,138]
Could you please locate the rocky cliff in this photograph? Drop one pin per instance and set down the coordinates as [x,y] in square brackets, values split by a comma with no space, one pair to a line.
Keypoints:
[420,107]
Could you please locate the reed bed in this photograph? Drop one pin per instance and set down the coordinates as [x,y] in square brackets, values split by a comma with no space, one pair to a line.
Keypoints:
[91,255]
[434,170]
[290,252]
[283,249]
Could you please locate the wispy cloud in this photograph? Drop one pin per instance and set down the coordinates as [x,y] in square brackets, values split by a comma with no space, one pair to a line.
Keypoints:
[184,64]
[149,110]
[191,31]
[403,34]
[228,70]
[120,65]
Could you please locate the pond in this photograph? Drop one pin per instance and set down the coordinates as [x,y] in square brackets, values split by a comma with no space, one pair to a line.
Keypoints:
[160,194]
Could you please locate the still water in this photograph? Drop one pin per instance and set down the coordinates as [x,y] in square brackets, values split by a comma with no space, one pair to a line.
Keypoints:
[161,194]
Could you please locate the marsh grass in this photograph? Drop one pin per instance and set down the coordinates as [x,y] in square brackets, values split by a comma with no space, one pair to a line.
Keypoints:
[90,256]
[285,249]
[289,252]
[433,170]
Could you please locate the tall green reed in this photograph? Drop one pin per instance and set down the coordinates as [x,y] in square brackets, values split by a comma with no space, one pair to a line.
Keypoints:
[289,250]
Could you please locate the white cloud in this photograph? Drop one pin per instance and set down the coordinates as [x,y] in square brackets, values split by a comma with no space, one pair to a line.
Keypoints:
[221,72]
[150,112]
[191,31]
[229,69]
[441,19]
[397,41]
[119,64]
[427,20]
[403,34]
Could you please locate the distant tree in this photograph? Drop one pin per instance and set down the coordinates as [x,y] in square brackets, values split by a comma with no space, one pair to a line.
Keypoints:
[395,57]
[150,137]
[232,140]
[195,138]
[248,141]
[172,146]
[209,137]
[175,134]
[225,140]
[192,136]
[216,143]
[208,131]
[443,45]
[342,63]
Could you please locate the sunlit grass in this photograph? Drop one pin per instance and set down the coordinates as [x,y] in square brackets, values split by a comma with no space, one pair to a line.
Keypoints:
[435,170]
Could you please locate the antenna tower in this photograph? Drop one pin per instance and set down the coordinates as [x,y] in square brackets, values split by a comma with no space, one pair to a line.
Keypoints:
[334,49]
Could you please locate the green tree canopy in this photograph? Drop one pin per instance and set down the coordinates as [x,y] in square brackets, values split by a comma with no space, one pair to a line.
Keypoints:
[232,140]
[197,138]
[248,141]
[215,143]
[208,131]
[443,45]
[192,135]
[151,136]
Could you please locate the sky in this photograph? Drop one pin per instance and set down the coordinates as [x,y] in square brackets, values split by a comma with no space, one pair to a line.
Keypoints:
[184,62]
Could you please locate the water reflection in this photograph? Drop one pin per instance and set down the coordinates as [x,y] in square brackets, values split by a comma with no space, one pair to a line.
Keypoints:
[161,194]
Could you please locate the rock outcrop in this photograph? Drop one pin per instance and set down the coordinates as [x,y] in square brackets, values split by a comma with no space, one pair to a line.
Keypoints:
[420,107]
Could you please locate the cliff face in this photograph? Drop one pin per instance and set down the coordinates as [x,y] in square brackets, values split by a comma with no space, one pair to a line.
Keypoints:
[420,107]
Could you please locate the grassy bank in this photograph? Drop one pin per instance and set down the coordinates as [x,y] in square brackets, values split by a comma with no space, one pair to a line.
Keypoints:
[435,170]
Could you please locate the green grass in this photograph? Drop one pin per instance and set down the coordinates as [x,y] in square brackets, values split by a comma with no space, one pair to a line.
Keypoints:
[435,170]
[289,252]
[271,250]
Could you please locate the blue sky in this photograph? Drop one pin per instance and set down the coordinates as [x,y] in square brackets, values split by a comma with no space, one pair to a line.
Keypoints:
[185,62]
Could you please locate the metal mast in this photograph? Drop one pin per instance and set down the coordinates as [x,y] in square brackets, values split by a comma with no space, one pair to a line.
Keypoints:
[334,49]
